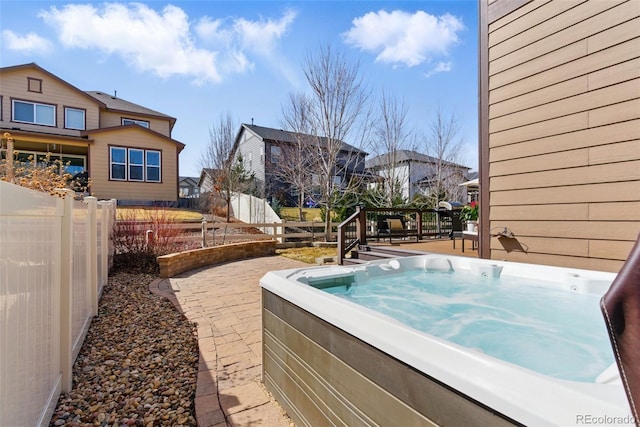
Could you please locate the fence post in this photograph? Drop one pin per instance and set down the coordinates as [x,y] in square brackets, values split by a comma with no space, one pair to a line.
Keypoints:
[204,232]
[66,306]
[419,224]
[104,242]
[92,252]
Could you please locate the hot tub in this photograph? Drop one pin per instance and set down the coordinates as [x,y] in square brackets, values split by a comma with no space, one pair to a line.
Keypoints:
[331,361]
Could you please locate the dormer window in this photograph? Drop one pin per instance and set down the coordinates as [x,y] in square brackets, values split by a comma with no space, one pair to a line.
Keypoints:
[143,123]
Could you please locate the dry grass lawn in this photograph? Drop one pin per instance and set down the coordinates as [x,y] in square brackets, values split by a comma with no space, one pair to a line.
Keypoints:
[307,254]
[127,213]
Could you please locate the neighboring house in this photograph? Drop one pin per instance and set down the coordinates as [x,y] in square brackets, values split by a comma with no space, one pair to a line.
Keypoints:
[126,149]
[560,131]
[263,150]
[188,187]
[415,172]
[207,180]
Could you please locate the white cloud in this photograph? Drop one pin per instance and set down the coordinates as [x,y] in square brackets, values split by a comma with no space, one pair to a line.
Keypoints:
[262,36]
[440,67]
[242,36]
[164,42]
[402,38]
[28,44]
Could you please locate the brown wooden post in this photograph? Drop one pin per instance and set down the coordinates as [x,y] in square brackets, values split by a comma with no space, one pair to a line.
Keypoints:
[419,223]
[341,238]
[361,225]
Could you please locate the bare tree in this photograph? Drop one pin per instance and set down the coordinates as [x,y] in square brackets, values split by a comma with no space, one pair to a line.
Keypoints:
[297,170]
[226,167]
[338,103]
[392,135]
[444,145]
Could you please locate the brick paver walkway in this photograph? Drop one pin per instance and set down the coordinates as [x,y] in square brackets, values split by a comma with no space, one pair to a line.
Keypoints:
[224,301]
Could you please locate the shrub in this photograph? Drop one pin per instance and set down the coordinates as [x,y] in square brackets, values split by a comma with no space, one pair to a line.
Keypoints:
[42,174]
[142,235]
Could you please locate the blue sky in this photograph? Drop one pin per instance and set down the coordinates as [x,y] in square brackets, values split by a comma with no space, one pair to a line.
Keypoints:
[195,60]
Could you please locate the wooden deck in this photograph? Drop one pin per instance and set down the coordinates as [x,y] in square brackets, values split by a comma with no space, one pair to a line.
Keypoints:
[441,246]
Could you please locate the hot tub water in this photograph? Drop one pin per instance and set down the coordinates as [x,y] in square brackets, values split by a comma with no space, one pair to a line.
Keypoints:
[551,331]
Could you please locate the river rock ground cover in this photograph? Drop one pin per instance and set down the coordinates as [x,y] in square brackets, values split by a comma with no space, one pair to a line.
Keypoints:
[138,365]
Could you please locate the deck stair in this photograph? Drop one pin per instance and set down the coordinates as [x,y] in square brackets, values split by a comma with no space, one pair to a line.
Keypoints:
[375,252]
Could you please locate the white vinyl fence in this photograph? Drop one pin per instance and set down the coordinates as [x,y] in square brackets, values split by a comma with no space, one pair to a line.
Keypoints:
[251,209]
[54,258]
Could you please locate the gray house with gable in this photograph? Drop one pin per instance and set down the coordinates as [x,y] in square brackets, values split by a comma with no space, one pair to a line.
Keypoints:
[264,150]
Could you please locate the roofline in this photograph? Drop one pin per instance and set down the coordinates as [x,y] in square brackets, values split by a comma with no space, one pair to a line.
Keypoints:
[351,148]
[179,144]
[162,117]
[57,136]
[33,65]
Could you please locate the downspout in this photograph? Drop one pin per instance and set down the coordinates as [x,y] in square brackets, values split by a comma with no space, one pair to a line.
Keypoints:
[484,237]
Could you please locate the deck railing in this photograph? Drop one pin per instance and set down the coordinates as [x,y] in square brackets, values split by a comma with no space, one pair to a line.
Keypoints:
[362,226]
[54,258]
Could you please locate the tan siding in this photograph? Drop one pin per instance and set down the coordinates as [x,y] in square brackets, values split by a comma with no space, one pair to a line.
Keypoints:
[611,75]
[622,152]
[528,8]
[564,55]
[563,161]
[541,163]
[592,100]
[551,127]
[501,77]
[14,85]
[594,193]
[132,138]
[557,260]
[555,212]
[539,97]
[629,110]
[111,119]
[609,249]
[585,230]
[622,52]
[545,97]
[619,211]
[611,172]
[560,30]
[584,138]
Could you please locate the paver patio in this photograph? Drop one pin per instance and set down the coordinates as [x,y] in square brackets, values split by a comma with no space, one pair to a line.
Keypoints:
[224,301]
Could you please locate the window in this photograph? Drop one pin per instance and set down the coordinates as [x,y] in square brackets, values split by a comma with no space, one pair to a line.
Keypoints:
[142,123]
[153,166]
[134,164]
[73,118]
[276,153]
[118,163]
[71,163]
[31,112]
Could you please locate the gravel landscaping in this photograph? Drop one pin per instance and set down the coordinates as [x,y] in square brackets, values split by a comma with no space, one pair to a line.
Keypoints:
[138,365]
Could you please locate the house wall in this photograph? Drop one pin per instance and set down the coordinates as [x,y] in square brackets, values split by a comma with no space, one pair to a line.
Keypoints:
[559,131]
[112,119]
[54,92]
[101,186]
[252,149]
